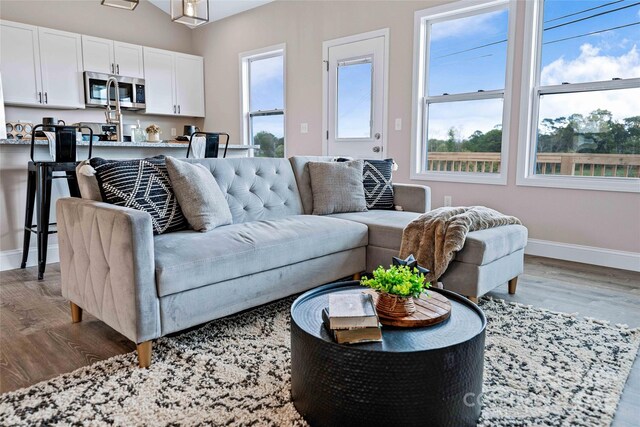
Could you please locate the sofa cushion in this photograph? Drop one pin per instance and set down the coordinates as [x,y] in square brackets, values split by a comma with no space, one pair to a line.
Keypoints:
[484,246]
[300,166]
[480,247]
[188,259]
[337,187]
[141,184]
[200,198]
[255,188]
[385,226]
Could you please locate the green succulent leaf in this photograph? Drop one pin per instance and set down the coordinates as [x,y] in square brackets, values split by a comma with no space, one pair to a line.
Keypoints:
[399,280]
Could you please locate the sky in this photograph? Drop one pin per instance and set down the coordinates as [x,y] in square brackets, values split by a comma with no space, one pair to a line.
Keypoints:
[458,64]
[602,56]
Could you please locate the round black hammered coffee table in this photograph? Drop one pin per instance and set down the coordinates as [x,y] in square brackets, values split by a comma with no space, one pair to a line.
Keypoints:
[429,376]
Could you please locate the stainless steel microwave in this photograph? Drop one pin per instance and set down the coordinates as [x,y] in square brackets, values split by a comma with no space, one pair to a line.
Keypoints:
[131,93]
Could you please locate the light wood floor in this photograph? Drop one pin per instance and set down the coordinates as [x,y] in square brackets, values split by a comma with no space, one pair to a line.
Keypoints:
[38,341]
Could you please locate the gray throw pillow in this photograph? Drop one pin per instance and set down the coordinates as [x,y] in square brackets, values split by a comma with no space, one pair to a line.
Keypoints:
[199,195]
[337,187]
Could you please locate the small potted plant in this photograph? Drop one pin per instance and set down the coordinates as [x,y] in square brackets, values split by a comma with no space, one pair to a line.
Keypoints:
[397,286]
[153,133]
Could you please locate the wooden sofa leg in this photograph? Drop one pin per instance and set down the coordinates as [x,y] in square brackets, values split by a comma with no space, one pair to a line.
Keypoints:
[357,276]
[144,353]
[513,283]
[76,313]
[473,299]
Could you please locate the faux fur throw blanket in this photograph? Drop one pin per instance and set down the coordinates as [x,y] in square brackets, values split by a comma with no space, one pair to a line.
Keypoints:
[434,237]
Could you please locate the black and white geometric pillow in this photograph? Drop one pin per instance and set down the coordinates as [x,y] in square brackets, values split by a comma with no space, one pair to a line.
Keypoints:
[143,185]
[376,179]
[378,189]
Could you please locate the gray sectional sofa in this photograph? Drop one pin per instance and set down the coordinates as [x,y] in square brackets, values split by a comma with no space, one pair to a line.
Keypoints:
[147,286]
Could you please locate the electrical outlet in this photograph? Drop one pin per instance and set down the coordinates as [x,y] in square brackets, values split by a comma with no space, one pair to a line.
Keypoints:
[304,128]
[174,132]
[398,124]
[447,200]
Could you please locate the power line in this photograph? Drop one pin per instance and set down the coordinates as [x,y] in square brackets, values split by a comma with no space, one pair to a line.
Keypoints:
[583,11]
[592,16]
[549,42]
[593,32]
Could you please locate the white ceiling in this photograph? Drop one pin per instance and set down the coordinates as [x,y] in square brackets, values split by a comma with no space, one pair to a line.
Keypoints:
[218,9]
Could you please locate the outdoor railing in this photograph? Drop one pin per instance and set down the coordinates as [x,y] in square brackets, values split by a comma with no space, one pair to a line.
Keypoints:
[577,164]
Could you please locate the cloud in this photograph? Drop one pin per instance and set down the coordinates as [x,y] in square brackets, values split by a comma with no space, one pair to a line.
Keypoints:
[483,24]
[465,117]
[591,66]
[267,69]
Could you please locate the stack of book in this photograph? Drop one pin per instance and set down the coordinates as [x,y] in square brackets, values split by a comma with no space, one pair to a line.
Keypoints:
[352,318]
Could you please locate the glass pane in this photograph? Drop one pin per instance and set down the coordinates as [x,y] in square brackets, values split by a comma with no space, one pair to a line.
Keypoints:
[268,133]
[354,100]
[590,134]
[586,41]
[266,84]
[468,54]
[465,136]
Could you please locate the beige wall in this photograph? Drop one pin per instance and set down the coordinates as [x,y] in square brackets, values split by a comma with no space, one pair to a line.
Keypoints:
[592,218]
[146,25]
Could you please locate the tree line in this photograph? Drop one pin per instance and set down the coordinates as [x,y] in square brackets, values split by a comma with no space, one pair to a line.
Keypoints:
[596,132]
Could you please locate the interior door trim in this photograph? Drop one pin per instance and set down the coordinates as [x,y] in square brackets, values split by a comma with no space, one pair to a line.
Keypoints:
[384,32]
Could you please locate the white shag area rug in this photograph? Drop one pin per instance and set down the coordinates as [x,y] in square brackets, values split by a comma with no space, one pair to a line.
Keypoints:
[541,368]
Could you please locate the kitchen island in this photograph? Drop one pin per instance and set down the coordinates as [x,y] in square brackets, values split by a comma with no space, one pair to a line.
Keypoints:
[14,155]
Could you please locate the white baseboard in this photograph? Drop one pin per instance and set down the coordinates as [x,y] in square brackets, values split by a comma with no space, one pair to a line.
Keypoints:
[10,260]
[584,254]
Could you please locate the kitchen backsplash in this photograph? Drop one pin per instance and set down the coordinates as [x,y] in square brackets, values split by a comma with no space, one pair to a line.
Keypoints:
[35,115]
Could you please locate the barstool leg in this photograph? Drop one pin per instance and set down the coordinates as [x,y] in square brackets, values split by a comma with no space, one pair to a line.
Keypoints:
[43,204]
[72,181]
[28,216]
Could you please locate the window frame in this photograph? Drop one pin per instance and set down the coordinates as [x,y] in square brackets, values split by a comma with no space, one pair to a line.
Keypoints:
[421,99]
[246,115]
[530,107]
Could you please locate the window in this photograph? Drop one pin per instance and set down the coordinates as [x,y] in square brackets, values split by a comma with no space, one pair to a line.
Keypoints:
[263,100]
[582,105]
[462,74]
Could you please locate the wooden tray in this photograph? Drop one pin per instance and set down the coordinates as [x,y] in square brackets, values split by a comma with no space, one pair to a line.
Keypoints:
[430,310]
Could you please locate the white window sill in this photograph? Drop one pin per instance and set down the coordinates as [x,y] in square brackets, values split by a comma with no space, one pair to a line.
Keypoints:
[465,177]
[628,185]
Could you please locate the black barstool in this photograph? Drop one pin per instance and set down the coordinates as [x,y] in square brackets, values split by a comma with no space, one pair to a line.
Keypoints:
[39,178]
[212,143]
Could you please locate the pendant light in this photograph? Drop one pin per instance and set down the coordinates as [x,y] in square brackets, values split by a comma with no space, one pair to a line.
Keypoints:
[190,12]
[121,4]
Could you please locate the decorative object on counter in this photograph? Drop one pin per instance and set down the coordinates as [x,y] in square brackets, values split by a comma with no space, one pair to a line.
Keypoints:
[153,133]
[190,12]
[141,184]
[50,122]
[18,130]
[207,145]
[188,130]
[397,287]
[122,4]
[39,178]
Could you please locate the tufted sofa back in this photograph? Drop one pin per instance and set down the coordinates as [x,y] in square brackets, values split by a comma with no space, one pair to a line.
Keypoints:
[256,188]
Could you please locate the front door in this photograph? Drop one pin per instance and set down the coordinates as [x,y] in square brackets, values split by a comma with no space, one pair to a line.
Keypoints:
[355,109]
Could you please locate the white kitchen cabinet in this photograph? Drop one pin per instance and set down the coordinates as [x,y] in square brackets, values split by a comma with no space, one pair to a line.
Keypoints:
[128,59]
[159,81]
[189,85]
[61,67]
[174,83]
[112,57]
[97,55]
[40,66]
[20,64]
